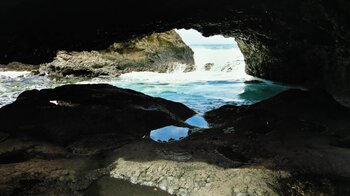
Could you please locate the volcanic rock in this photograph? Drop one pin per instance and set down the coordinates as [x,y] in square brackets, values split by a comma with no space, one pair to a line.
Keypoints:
[159,52]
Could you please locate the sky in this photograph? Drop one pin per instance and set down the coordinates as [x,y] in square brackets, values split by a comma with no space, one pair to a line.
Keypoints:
[192,37]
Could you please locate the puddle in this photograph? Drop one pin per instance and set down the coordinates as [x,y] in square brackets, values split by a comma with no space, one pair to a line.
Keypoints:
[107,186]
[198,121]
[168,133]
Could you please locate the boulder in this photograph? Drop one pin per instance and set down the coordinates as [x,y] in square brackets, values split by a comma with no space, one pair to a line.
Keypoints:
[67,113]
[315,106]
[208,66]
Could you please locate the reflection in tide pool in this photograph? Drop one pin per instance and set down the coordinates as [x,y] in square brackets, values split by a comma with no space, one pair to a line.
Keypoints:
[170,132]
[198,121]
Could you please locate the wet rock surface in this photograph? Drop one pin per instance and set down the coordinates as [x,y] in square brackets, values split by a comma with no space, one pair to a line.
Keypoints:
[291,144]
[159,52]
[191,178]
[279,146]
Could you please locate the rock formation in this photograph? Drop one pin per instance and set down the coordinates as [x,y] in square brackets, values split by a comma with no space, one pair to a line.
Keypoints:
[56,141]
[305,132]
[208,66]
[303,41]
[159,52]
[59,141]
[66,113]
[292,144]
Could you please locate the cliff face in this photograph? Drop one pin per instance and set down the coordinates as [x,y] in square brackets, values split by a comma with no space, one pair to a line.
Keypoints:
[159,52]
[306,43]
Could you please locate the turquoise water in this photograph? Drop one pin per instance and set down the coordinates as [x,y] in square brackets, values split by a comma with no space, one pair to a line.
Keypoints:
[202,90]
[203,96]
[196,93]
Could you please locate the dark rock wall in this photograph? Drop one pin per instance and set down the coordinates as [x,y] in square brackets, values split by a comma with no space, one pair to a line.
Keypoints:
[307,43]
[301,41]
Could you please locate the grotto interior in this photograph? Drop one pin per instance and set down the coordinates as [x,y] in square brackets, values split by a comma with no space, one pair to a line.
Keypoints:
[85,139]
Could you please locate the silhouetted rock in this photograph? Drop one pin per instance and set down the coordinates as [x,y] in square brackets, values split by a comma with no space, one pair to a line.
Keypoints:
[297,129]
[69,112]
[269,148]
[313,106]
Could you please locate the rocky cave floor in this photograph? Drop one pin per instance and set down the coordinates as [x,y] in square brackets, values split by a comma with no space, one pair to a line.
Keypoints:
[296,143]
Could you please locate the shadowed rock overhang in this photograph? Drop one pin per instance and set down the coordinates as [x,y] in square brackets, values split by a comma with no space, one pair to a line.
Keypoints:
[303,42]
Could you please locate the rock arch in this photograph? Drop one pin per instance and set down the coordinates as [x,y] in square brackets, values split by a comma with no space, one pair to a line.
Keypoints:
[299,42]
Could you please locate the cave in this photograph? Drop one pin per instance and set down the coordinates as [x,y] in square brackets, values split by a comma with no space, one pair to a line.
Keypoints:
[65,137]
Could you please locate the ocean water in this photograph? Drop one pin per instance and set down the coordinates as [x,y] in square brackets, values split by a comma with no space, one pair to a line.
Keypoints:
[202,90]
[12,83]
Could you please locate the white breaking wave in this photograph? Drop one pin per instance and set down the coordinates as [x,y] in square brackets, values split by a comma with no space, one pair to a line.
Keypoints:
[13,74]
[201,89]
[228,64]
[179,68]
[174,77]
[223,59]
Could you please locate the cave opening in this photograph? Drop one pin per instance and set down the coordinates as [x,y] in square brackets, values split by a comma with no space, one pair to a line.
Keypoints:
[215,53]
[215,76]
[66,123]
[181,65]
